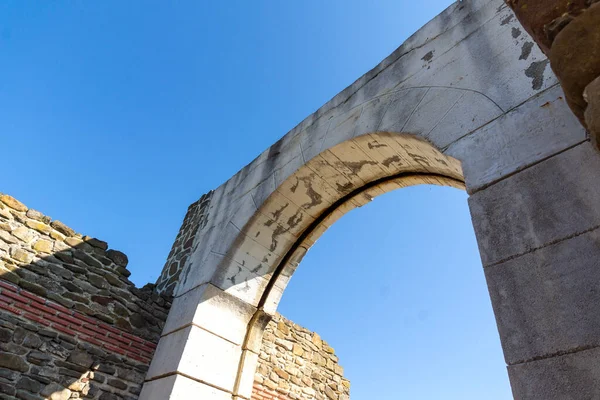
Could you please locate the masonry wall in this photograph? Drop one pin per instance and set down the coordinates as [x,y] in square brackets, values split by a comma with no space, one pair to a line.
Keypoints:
[71,324]
[295,363]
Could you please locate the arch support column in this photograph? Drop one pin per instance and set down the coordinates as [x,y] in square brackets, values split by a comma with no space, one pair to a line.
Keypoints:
[539,237]
[202,348]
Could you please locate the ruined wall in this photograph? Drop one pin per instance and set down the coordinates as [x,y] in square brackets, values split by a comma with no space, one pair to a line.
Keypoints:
[195,219]
[71,324]
[295,363]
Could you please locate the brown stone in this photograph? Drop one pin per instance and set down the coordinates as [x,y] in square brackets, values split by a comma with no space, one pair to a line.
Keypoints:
[575,57]
[39,226]
[44,246]
[13,203]
[537,16]
[592,112]
[62,228]
[21,255]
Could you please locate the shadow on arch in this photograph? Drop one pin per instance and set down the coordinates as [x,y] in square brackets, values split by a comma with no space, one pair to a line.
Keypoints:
[310,200]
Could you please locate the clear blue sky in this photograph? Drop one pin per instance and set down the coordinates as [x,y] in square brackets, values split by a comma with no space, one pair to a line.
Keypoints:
[116,115]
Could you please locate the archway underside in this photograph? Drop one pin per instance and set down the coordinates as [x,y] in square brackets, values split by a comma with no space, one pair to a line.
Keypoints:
[309,201]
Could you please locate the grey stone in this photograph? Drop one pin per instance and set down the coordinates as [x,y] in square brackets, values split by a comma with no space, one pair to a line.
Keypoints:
[82,358]
[29,384]
[550,201]
[573,376]
[13,362]
[117,257]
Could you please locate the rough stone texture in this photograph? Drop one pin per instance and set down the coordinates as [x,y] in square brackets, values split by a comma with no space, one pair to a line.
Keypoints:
[50,259]
[575,57]
[543,19]
[194,220]
[552,200]
[546,302]
[573,376]
[592,112]
[71,324]
[41,362]
[295,363]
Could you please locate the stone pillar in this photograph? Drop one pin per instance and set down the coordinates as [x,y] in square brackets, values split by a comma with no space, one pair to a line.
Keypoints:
[202,348]
[538,232]
[569,33]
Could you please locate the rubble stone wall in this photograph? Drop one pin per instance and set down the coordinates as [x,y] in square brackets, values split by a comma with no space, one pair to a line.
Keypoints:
[295,363]
[71,324]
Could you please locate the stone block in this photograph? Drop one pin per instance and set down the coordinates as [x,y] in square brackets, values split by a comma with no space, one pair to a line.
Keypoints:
[212,309]
[537,129]
[546,302]
[197,353]
[177,387]
[573,376]
[547,202]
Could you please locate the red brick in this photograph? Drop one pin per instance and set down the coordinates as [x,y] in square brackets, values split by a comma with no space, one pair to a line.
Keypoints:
[56,319]
[39,320]
[138,358]
[114,349]
[15,296]
[99,331]
[90,340]
[109,328]
[63,329]
[8,286]
[80,329]
[85,318]
[119,338]
[112,341]
[7,300]
[132,337]
[28,308]
[32,296]
[9,308]
[141,347]
[43,308]
[58,307]
[150,345]
[72,320]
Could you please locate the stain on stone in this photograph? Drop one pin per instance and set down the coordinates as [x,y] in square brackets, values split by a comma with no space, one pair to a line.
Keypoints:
[516,32]
[277,213]
[388,161]
[355,167]
[526,50]
[315,198]
[507,19]
[232,278]
[420,159]
[441,161]
[375,144]
[256,269]
[344,188]
[295,219]
[536,72]
[427,57]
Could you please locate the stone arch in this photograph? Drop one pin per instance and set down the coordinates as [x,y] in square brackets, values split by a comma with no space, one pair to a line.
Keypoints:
[467,86]
[353,173]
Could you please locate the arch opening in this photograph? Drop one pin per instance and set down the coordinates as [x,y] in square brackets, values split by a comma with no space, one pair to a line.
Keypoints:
[352,173]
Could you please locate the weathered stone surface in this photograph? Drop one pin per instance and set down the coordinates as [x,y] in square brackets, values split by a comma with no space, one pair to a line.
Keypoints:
[117,257]
[592,112]
[575,58]
[12,202]
[535,207]
[13,362]
[569,376]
